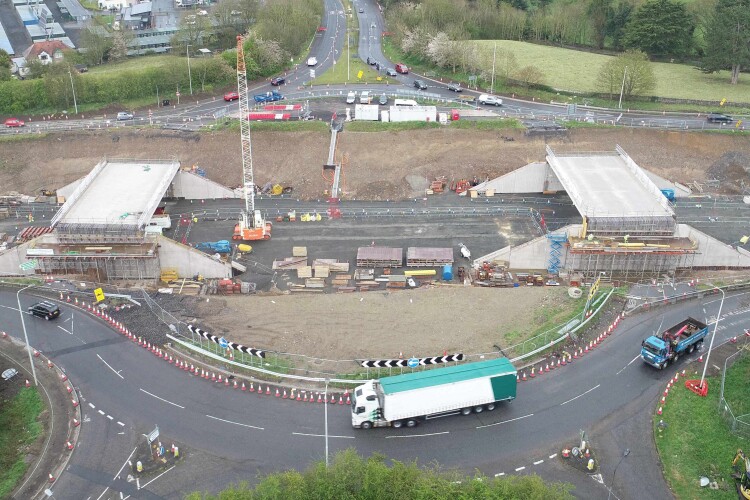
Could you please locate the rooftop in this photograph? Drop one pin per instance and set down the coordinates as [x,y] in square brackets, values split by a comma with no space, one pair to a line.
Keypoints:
[608,184]
[446,375]
[119,192]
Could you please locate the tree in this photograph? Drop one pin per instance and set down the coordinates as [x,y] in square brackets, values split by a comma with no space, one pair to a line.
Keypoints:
[97,42]
[353,477]
[598,11]
[728,38]
[120,42]
[661,27]
[632,67]
[529,75]
[617,18]
[4,66]
[194,30]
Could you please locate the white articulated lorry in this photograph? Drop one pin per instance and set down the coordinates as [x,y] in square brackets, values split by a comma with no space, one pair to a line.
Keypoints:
[404,400]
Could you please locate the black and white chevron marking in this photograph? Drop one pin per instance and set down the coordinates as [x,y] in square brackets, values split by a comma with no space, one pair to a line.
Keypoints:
[395,363]
[232,345]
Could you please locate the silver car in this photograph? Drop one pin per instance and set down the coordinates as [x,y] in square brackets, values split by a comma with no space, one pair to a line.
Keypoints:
[124,115]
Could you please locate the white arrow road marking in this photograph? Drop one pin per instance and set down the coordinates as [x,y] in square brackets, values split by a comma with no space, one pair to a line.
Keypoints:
[505,421]
[162,399]
[418,435]
[573,399]
[108,366]
[235,423]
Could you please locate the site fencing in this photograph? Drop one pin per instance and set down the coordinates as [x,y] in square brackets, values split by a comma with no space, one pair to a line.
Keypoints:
[738,424]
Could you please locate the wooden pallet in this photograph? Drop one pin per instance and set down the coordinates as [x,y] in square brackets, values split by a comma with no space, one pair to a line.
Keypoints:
[304,272]
[299,251]
[322,271]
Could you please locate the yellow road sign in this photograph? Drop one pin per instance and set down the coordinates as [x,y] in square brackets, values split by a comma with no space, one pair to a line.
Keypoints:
[594,288]
[99,294]
[360,74]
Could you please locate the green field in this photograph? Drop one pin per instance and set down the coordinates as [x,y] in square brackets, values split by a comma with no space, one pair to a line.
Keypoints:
[576,71]
[697,441]
[18,429]
[134,64]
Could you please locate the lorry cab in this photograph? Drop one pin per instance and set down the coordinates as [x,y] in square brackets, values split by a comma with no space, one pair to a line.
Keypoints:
[654,351]
[366,407]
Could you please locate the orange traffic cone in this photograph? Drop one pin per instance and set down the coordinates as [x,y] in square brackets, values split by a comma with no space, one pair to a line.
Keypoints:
[76,423]
[348,401]
[277,392]
[51,478]
[69,445]
[226,381]
[235,384]
[243,386]
[285,395]
[268,390]
[252,388]
[658,412]
[28,384]
[341,399]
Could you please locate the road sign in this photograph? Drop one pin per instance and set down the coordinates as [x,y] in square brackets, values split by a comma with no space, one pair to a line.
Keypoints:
[177,93]
[312,73]
[413,362]
[223,343]
[29,265]
[151,436]
[360,74]
[99,294]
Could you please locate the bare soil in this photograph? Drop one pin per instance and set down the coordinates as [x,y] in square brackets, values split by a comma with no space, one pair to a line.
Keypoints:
[378,162]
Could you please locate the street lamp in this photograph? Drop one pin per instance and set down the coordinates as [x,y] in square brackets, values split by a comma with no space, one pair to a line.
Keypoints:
[622,89]
[75,103]
[26,335]
[187,51]
[325,403]
[624,454]
[713,336]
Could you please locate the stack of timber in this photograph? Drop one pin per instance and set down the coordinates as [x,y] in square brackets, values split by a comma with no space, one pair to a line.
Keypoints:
[364,274]
[290,263]
[428,257]
[333,265]
[322,271]
[299,251]
[304,272]
[380,257]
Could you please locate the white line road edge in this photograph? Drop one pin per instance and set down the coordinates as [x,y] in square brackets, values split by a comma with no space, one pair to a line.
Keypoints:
[321,435]
[234,423]
[66,331]
[418,435]
[162,399]
[157,477]
[108,366]
[505,421]
[631,362]
[539,462]
[580,395]
[127,460]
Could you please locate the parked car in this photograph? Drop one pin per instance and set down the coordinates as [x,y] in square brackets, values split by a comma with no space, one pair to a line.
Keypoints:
[719,118]
[312,61]
[383,100]
[364,97]
[279,80]
[490,100]
[351,97]
[45,309]
[371,61]
[124,115]
[231,96]
[401,68]
[391,72]
[420,84]
[14,122]
[455,87]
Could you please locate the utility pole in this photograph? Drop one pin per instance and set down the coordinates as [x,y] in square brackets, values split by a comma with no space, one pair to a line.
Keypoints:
[348,57]
[622,89]
[26,335]
[75,103]
[325,402]
[187,51]
[492,84]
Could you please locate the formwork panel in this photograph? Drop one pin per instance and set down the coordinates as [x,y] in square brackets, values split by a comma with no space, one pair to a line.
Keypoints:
[425,256]
[380,257]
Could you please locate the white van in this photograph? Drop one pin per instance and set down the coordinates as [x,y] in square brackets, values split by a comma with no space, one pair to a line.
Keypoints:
[351,97]
[405,102]
[490,99]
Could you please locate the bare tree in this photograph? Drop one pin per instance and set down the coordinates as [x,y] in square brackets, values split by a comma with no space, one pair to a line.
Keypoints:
[529,75]
[631,71]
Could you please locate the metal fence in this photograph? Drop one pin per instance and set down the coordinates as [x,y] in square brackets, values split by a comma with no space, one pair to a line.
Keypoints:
[738,424]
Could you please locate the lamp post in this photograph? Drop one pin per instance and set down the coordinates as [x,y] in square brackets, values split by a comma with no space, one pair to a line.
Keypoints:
[622,89]
[26,335]
[325,403]
[492,83]
[713,336]
[187,51]
[624,454]
[75,103]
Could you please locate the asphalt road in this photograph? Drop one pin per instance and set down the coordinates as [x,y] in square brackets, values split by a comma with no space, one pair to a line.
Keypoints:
[138,391]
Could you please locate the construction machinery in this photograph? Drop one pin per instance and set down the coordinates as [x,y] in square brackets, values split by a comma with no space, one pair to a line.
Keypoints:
[741,466]
[251,226]
[221,246]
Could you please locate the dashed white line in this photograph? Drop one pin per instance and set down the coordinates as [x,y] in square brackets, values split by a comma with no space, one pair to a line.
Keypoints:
[500,474]
[120,424]
[66,331]
[539,462]
[505,421]
[553,456]
[418,435]
[321,435]
[631,362]
[162,399]
[92,406]
[519,469]
[101,412]
[115,371]
[235,423]
[573,399]
[110,417]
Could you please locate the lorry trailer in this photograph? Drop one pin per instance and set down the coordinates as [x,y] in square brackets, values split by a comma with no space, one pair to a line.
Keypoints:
[407,399]
[667,347]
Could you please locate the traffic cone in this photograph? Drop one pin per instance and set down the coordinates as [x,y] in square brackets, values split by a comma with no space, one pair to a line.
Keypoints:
[586,349]
[219,381]
[663,401]
[260,390]
[563,362]
[5,335]
[268,390]
[49,363]
[299,395]
[348,401]
[532,372]
[320,398]
[304,396]
[76,423]
[341,399]
[70,389]
[243,387]
[658,412]
[252,388]
[587,454]
[235,384]
[75,403]
[700,359]
[523,376]
[213,377]
[546,367]
[36,353]
[51,478]
[277,392]
[333,399]
[575,354]
[683,373]
[558,363]
[226,381]
[28,384]
[666,392]
[69,445]
[312,397]
[63,377]
[733,340]
[284,396]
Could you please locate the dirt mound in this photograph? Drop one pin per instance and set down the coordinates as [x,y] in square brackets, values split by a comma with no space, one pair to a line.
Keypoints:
[732,169]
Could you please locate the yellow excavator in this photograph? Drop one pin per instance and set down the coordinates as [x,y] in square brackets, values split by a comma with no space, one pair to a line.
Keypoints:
[741,466]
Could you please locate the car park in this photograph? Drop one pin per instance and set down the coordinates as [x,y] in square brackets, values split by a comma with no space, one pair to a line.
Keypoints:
[391,72]
[351,97]
[124,115]
[312,61]
[14,122]
[719,118]
[279,80]
[231,96]
[420,84]
[45,309]
[364,97]
[383,100]
[490,100]
[455,87]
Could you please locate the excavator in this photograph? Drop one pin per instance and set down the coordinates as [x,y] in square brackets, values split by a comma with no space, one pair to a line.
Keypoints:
[741,466]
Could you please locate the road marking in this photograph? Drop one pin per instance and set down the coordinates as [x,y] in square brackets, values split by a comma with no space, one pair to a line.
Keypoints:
[92,406]
[118,472]
[631,362]
[505,421]
[63,329]
[157,477]
[573,399]
[162,399]
[520,469]
[235,423]
[321,435]
[110,417]
[120,433]
[539,462]
[120,424]
[418,435]
[553,456]
[500,474]
[115,372]
[67,319]
[101,412]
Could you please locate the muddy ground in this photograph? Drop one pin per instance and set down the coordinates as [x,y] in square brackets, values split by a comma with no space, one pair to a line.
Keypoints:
[379,163]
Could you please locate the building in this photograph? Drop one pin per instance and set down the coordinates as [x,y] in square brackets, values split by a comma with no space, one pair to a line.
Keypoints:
[46,52]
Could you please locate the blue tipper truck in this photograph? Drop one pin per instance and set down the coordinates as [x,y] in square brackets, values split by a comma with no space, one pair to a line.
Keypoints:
[404,400]
[667,347]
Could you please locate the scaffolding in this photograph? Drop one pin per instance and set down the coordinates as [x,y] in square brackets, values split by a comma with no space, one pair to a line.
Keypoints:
[628,265]
[556,242]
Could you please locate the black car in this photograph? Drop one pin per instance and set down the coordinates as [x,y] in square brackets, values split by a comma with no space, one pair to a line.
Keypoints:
[719,118]
[45,309]
[391,72]
[420,84]
[454,87]
[279,80]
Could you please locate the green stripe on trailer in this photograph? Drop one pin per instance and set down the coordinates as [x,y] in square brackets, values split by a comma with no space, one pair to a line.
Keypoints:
[496,368]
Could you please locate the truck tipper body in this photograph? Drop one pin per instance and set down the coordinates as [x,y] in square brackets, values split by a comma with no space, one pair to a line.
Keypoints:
[404,400]
[667,347]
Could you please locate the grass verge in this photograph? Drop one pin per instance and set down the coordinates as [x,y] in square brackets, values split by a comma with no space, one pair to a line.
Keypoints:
[697,441]
[19,427]
[499,124]
[362,126]
[280,126]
